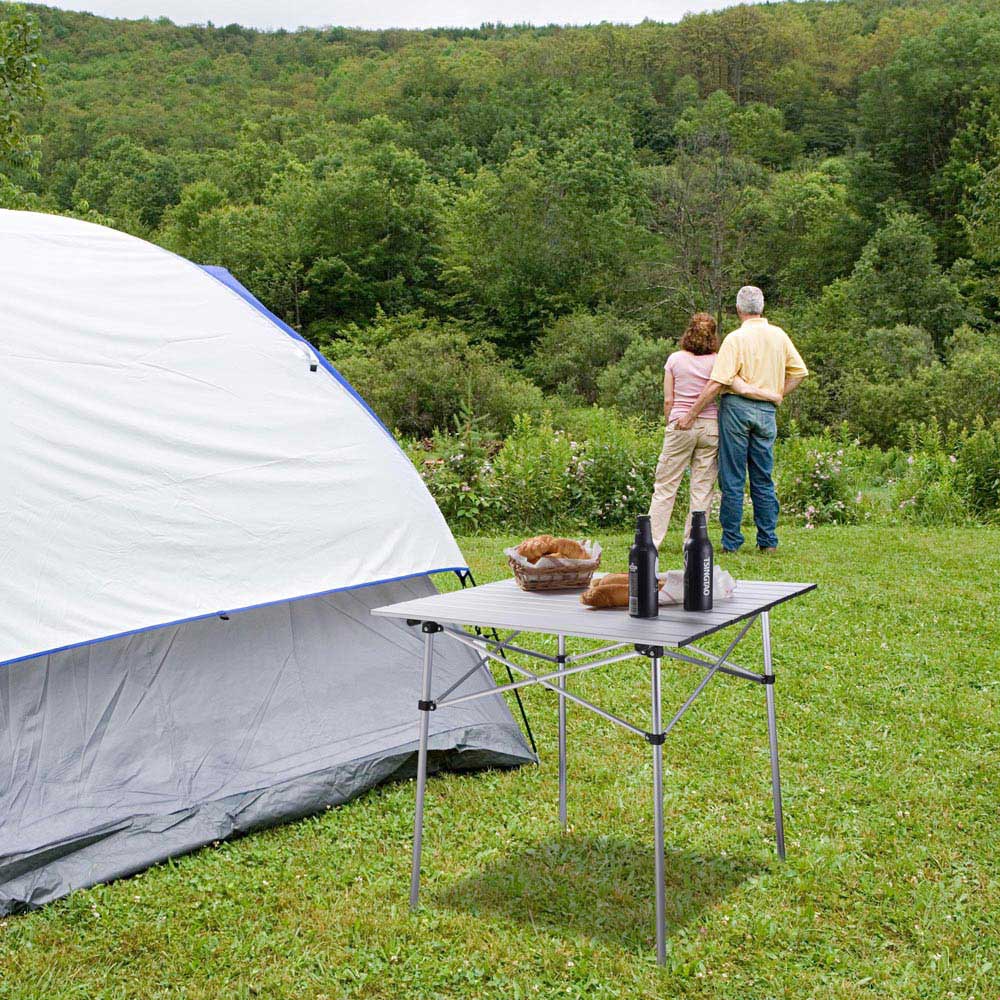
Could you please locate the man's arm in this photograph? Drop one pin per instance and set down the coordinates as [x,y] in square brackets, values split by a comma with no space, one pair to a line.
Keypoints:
[792,382]
[795,368]
[743,388]
[708,394]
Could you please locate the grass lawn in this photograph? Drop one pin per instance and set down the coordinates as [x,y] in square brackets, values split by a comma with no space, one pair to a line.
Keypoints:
[889,724]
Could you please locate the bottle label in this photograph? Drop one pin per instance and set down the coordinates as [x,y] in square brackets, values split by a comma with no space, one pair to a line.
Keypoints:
[633,589]
[706,578]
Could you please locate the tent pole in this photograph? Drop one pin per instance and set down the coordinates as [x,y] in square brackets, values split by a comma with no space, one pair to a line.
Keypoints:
[467,578]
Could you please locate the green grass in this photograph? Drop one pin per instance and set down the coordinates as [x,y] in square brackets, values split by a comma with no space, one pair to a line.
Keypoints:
[888,690]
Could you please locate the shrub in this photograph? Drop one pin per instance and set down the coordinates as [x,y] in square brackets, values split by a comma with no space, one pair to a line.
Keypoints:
[595,472]
[882,407]
[970,386]
[454,467]
[815,481]
[529,478]
[635,383]
[927,494]
[977,471]
[418,373]
[576,348]
[613,466]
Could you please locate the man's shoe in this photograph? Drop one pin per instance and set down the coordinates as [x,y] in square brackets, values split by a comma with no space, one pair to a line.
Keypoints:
[767,550]
[730,552]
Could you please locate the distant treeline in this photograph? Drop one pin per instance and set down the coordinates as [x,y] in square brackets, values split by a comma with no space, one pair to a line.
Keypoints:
[484,218]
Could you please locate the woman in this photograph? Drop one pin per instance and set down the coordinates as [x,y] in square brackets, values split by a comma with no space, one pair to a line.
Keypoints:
[685,374]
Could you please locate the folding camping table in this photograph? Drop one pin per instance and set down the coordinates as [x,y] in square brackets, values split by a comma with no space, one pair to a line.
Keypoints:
[672,636]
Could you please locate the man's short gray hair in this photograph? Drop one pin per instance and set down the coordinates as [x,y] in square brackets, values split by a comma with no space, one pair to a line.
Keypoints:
[750,301]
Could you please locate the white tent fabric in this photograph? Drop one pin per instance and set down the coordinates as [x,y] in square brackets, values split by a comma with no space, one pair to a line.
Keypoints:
[168,453]
[197,515]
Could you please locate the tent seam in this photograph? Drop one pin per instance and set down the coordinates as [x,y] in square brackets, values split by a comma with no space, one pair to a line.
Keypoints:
[225,611]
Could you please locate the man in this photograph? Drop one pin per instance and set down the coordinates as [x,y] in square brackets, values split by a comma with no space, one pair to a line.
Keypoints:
[763,355]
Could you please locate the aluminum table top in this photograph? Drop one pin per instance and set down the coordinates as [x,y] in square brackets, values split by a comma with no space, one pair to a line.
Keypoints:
[504,605]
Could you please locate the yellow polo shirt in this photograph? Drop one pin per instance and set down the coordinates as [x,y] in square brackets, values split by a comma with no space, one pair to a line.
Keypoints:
[761,353]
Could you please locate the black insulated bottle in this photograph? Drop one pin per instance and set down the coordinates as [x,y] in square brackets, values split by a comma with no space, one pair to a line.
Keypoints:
[643,592]
[698,565]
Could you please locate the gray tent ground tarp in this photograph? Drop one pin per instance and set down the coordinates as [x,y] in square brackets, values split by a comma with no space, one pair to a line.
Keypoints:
[196,516]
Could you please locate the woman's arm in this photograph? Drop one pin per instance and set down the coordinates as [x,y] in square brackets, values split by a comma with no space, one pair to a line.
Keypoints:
[668,393]
[743,388]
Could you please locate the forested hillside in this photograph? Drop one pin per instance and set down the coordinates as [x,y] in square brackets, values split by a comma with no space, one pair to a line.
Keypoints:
[472,219]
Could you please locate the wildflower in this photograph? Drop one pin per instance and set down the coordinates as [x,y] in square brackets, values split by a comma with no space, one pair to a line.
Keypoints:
[909,460]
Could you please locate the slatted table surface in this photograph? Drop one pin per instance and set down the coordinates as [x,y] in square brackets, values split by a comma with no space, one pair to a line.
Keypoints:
[504,605]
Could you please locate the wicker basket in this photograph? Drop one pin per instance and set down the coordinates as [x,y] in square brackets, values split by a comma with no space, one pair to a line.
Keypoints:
[570,574]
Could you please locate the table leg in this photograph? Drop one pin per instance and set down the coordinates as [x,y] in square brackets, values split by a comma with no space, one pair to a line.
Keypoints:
[425,721]
[772,732]
[562,738]
[661,892]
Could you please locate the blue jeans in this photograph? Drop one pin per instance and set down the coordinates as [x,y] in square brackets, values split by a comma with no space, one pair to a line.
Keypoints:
[747,430]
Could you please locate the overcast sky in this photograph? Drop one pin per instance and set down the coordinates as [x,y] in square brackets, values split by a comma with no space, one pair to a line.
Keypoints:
[396,13]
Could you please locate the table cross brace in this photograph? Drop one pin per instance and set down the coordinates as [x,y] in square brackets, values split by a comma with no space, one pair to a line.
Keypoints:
[494,650]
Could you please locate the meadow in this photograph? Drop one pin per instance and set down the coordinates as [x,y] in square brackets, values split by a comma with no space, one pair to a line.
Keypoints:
[888,690]
[497,234]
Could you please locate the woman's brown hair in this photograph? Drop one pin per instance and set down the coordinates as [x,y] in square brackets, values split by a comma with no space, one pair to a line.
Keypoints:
[700,336]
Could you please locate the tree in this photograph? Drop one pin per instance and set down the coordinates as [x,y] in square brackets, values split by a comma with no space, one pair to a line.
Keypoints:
[20,83]
[912,109]
[419,374]
[809,233]
[574,349]
[634,384]
[372,231]
[129,183]
[740,49]
[982,217]
[181,224]
[704,206]
[548,232]
[330,249]
[754,130]
[898,281]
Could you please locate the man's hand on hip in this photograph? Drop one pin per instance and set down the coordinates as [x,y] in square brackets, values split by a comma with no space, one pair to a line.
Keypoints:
[685,423]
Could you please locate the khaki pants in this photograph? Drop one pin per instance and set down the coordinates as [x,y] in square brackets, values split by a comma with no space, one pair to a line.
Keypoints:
[698,449]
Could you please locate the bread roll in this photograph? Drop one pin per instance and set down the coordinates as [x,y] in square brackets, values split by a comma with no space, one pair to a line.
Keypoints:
[614,595]
[534,548]
[568,549]
[609,591]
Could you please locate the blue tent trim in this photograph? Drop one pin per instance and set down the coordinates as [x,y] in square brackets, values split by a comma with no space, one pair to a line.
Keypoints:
[222,275]
[231,611]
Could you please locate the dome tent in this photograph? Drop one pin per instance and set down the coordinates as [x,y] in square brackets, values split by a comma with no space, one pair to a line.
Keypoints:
[196,515]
